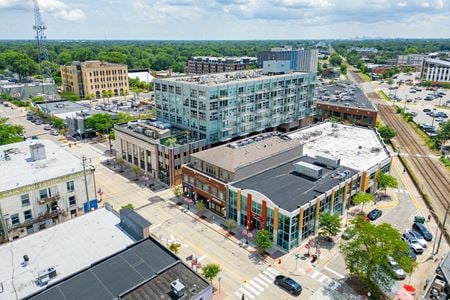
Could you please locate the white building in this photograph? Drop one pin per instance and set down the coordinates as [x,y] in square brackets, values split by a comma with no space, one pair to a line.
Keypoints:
[435,70]
[410,60]
[41,185]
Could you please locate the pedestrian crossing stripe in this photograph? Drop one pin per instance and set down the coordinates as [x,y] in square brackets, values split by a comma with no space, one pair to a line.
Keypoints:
[261,276]
[260,281]
[268,274]
[273,271]
[251,289]
[401,191]
[255,285]
[246,293]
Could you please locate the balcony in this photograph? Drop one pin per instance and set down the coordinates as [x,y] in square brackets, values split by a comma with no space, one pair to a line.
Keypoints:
[48,199]
[40,218]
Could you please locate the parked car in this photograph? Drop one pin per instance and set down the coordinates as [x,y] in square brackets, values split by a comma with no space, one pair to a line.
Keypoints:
[423,231]
[441,114]
[418,89]
[374,214]
[38,122]
[428,98]
[413,113]
[54,132]
[29,117]
[412,91]
[34,137]
[395,269]
[418,237]
[426,110]
[47,127]
[413,243]
[349,233]
[288,284]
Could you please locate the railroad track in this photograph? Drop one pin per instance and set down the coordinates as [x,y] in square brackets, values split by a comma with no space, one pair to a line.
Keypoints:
[436,178]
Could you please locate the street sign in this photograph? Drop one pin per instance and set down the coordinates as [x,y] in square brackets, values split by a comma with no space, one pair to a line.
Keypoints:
[297,256]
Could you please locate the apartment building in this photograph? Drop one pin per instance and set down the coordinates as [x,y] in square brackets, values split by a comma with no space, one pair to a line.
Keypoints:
[157,148]
[220,107]
[44,185]
[302,60]
[282,182]
[94,78]
[209,64]
[435,70]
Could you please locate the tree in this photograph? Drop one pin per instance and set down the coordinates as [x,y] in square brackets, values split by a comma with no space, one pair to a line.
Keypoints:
[58,123]
[177,191]
[129,205]
[343,69]
[10,133]
[19,63]
[99,122]
[386,132]
[385,180]
[120,162]
[263,240]
[200,205]
[329,224]
[335,59]
[70,96]
[363,198]
[210,271]
[136,170]
[366,254]
[175,247]
[231,224]
[37,99]
[444,132]
[390,81]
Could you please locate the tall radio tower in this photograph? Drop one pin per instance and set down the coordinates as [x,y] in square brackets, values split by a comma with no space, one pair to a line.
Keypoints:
[44,62]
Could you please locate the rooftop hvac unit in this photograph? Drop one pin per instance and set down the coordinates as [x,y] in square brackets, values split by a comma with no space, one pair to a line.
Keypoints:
[308,170]
[149,133]
[45,275]
[139,130]
[328,161]
[177,288]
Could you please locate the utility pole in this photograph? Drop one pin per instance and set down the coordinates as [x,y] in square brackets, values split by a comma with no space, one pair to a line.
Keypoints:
[85,184]
[442,232]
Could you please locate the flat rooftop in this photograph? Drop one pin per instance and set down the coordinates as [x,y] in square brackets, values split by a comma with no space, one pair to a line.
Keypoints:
[438,61]
[69,247]
[224,59]
[358,148]
[228,77]
[347,95]
[23,171]
[238,154]
[60,107]
[142,271]
[288,189]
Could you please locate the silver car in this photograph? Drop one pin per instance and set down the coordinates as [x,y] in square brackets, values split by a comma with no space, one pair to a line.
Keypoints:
[418,237]
[413,242]
[395,268]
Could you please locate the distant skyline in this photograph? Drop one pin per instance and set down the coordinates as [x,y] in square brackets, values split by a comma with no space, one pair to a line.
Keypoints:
[227,19]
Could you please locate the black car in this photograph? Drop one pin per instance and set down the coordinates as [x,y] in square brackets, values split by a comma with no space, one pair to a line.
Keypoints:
[288,284]
[374,214]
[426,110]
[423,231]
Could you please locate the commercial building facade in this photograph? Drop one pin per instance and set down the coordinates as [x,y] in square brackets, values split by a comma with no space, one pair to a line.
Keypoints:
[157,148]
[435,70]
[224,106]
[415,60]
[45,186]
[209,64]
[94,78]
[302,60]
[284,182]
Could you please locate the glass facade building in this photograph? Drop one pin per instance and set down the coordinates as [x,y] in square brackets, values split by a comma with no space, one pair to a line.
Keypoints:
[223,106]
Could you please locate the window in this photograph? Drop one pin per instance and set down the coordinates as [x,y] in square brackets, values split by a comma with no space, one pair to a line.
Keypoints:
[70,186]
[15,219]
[27,215]
[72,201]
[25,199]
[220,195]
[43,194]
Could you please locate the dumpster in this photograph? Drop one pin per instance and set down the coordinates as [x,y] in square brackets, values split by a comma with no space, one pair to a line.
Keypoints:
[419,219]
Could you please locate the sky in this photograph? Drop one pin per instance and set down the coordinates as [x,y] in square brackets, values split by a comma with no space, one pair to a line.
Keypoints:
[227,19]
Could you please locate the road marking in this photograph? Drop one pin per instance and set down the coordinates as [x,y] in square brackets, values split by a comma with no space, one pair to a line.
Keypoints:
[393,204]
[255,285]
[334,272]
[246,293]
[156,226]
[201,258]
[96,150]
[265,278]
[251,289]
[270,275]
[273,271]
[261,282]
[315,274]
[322,278]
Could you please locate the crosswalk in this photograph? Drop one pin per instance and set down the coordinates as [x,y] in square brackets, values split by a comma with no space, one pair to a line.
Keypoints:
[400,191]
[326,281]
[255,286]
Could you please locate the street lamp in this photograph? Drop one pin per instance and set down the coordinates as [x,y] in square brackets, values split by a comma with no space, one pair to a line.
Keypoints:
[434,116]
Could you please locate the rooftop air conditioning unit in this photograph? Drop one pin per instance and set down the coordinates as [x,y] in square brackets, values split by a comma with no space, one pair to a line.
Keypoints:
[308,169]
[328,161]
[177,288]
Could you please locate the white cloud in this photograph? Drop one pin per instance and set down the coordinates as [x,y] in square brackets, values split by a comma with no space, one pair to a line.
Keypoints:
[57,8]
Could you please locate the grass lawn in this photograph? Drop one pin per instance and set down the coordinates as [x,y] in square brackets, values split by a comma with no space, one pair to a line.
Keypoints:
[364,76]
[383,95]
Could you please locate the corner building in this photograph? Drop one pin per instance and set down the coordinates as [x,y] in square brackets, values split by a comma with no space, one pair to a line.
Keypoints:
[221,107]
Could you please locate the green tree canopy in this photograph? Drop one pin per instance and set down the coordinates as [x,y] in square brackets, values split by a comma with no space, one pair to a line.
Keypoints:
[329,224]
[210,271]
[19,63]
[335,59]
[58,123]
[263,240]
[175,247]
[99,122]
[129,205]
[70,96]
[363,198]
[386,132]
[386,181]
[343,69]
[366,254]
[444,132]
[10,133]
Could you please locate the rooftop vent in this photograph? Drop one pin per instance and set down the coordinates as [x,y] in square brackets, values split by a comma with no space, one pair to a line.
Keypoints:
[177,288]
[45,275]
[309,170]
[328,161]
[37,152]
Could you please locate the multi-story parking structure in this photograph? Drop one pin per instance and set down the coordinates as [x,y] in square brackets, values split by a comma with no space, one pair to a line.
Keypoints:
[220,107]
[42,184]
[210,64]
[157,148]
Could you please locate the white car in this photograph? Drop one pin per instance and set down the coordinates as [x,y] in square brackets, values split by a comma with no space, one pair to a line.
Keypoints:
[418,237]
[395,268]
[413,242]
